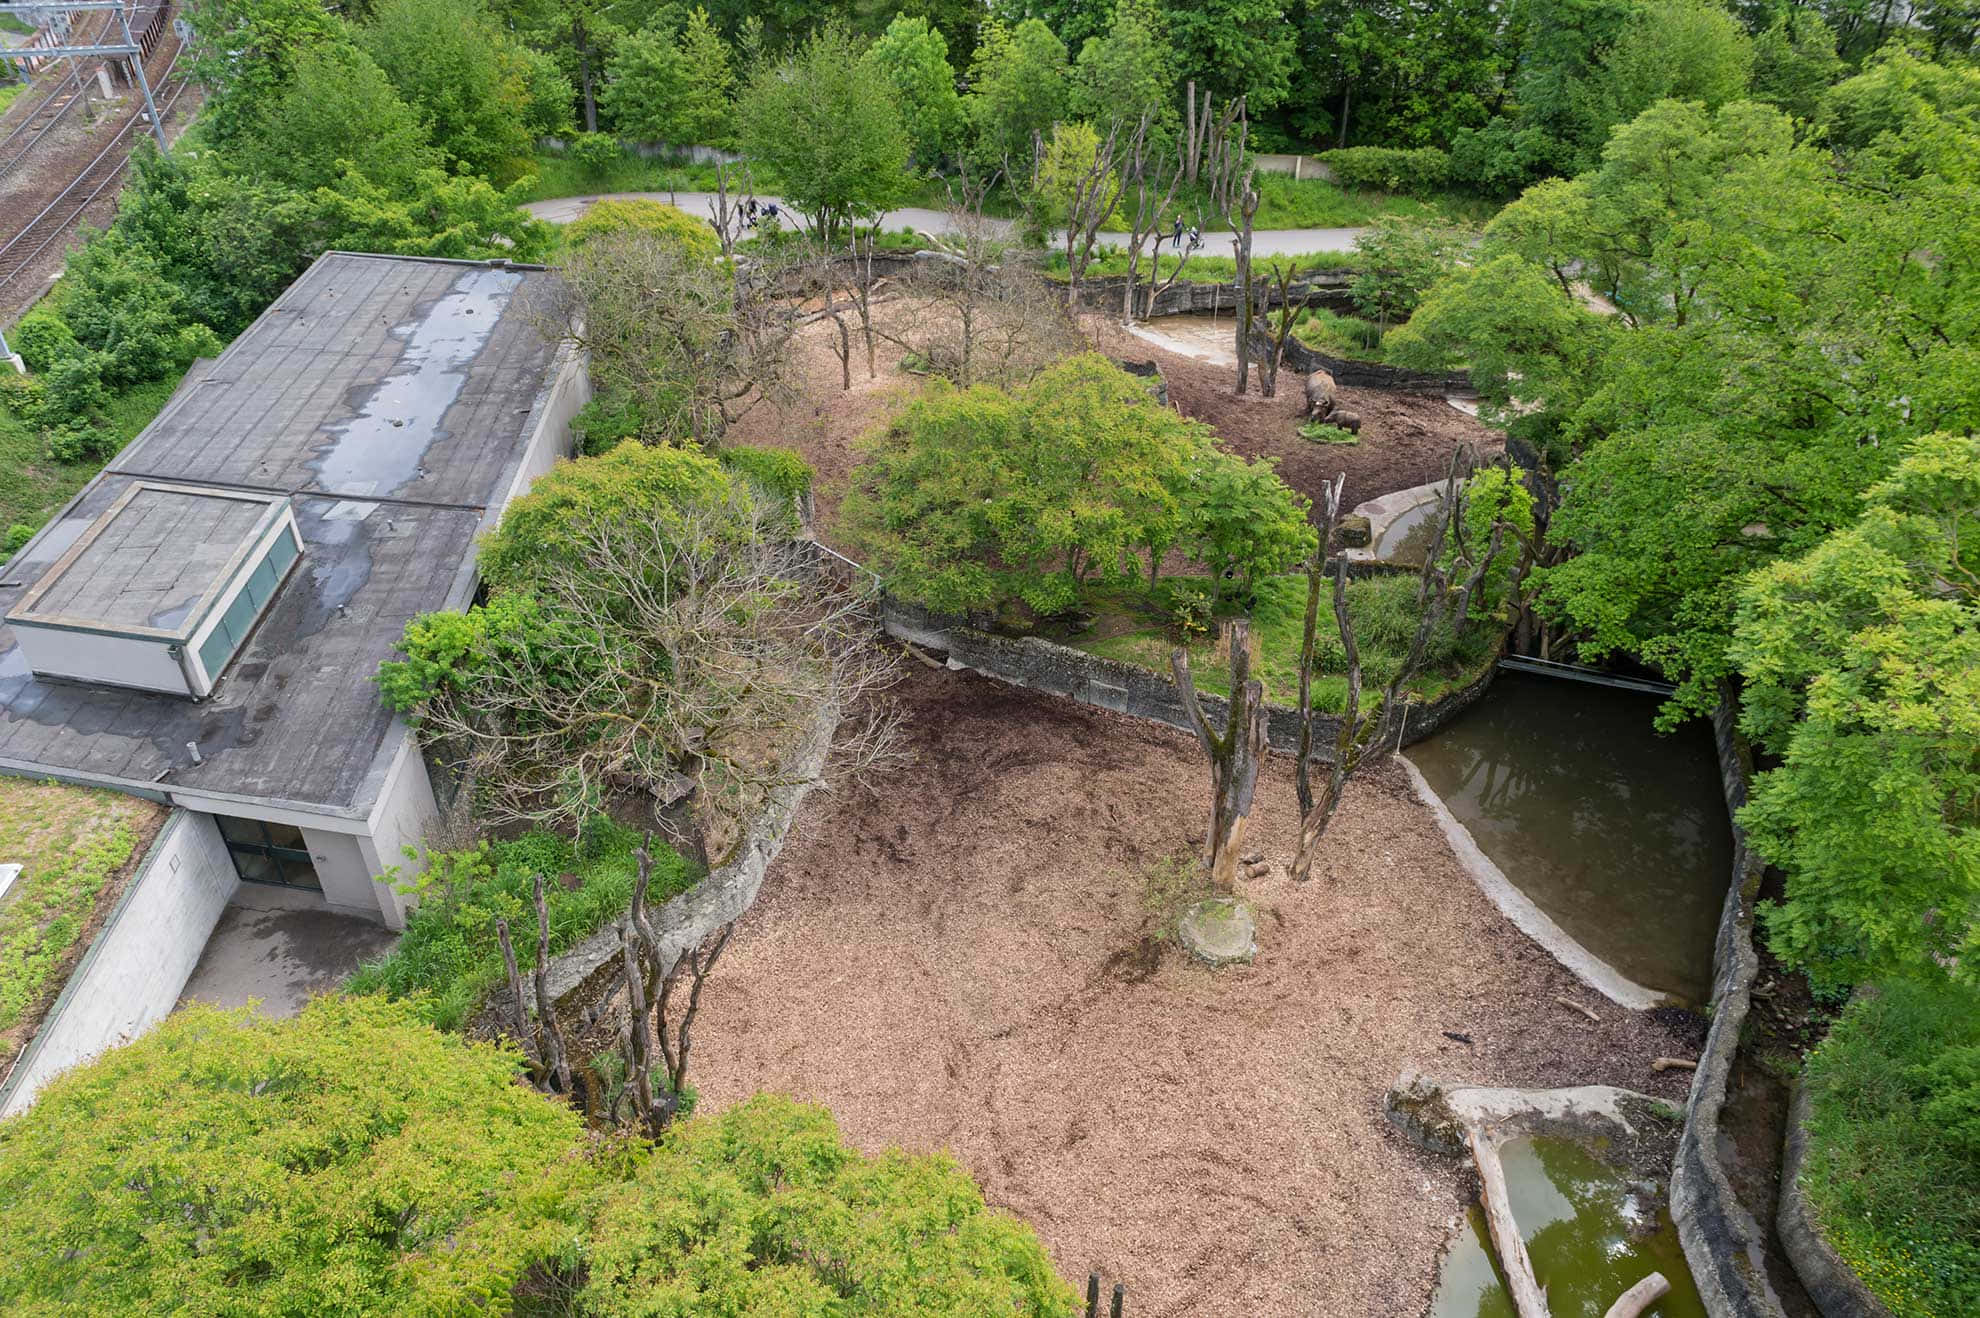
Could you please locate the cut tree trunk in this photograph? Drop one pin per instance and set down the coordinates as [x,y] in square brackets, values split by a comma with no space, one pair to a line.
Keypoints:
[1529,1301]
[1632,1302]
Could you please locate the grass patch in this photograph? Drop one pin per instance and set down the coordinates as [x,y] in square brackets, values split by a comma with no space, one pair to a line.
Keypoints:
[33,484]
[70,842]
[449,958]
[1893,1170]
[1384,611]
[1339,336]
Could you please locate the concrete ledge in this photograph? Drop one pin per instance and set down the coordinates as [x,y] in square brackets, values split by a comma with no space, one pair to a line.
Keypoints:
[1836,1289]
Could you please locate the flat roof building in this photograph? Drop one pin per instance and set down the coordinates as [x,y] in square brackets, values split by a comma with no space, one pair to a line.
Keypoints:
[202,624]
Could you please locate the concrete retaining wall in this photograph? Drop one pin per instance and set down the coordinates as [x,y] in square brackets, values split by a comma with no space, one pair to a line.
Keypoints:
[1723,1243]
[1060,670]
[1837,1291]
[130,977]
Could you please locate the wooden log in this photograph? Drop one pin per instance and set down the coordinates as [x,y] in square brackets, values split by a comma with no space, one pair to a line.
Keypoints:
[1673,1064]
[1632,1302]
[1529,1301]
[1572,1005]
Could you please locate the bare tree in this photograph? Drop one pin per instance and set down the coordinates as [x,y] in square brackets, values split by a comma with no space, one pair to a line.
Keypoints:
[1447,586]
[1153,176]
[1092,193]
[1280,281]
[678,658]
[543,1038]
[1235,753]
[976,308]
[1247,211]
[651,970]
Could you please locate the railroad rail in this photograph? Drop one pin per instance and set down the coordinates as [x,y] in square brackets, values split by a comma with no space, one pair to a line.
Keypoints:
[147,25]
[56,219]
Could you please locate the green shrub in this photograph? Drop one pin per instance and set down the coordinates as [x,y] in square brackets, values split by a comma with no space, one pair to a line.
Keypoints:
[449,958]
[42,339]
[612,417]
[655,219]
[73,388]
[1338,335]
[16,536]
[79,441]
[779,474]
[23,395]
[1893,1169]
[595,153]
[1418,172]
[765,1210]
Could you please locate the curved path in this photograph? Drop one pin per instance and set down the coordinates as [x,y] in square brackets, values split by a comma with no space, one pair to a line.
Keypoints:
[1264,242]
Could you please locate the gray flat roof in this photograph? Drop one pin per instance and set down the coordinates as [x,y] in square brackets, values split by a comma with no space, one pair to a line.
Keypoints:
[302,405]
[151,561]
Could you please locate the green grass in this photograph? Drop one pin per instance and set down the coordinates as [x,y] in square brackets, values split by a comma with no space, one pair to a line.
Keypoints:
[1338,335]
[9,92]
[450,958]
[70,842]
[33,484]
[1892,1174]
[1384,611]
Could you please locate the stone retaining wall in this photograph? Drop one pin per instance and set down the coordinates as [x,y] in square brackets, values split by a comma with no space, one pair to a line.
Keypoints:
[1723,1243]
[1366,375]
[724,895]
[1060,670]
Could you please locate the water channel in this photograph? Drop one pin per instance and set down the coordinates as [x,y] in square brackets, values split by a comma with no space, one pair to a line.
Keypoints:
[1618,833]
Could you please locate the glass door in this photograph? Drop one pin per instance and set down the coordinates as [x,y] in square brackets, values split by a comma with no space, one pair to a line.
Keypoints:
[269,853]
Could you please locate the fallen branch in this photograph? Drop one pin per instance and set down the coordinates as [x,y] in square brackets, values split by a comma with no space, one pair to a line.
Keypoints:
[1673,1064]
[1529,1301]
[1639,1297]
[926,658]
[1572,1005]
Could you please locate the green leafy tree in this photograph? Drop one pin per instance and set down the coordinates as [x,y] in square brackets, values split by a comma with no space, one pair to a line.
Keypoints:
[1687,50]
[1128,73]
[1794,63]
[462,75]
[1393,74]
[1232,47]
[1018,88]
[229,1164]
[829,131]
[764,1209]
[980,500]
[1399,263]
[245,54]
[1862,666]
[339,110]
[672,84]
[912,58]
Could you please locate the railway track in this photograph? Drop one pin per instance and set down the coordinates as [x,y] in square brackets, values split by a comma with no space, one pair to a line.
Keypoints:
[67,93]
[59,216]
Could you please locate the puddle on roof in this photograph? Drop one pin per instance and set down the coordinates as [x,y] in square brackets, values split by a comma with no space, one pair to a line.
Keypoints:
[382,449]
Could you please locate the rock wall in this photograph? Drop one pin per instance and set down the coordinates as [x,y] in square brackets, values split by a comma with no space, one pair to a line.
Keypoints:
[1060,670]
[1837,1291]
[1366,375]
[1723,1243]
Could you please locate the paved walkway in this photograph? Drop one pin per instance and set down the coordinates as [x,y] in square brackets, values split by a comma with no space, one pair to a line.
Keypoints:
[1264,242]
[279,949]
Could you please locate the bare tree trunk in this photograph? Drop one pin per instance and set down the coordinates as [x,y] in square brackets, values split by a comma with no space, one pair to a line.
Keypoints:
[1282,281]
[555,1060]
[1247,210]
[1190,148]
[1235,754]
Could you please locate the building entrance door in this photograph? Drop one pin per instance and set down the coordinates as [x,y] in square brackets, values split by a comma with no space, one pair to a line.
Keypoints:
[269,853]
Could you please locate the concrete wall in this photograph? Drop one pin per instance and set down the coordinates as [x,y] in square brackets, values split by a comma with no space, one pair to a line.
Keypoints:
[346,876]
[130,977]
[405,813]
[550,432]
[1723,1242]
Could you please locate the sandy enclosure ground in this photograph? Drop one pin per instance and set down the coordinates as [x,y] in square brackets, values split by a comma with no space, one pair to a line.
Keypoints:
[947,964]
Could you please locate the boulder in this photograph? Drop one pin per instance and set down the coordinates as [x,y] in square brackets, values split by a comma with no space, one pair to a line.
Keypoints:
[1417,1107]
[1354,531]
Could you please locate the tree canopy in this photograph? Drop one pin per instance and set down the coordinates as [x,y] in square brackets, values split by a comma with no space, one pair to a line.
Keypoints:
[229,1164]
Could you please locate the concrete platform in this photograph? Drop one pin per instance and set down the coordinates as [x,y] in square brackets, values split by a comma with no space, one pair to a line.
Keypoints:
[277,949]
